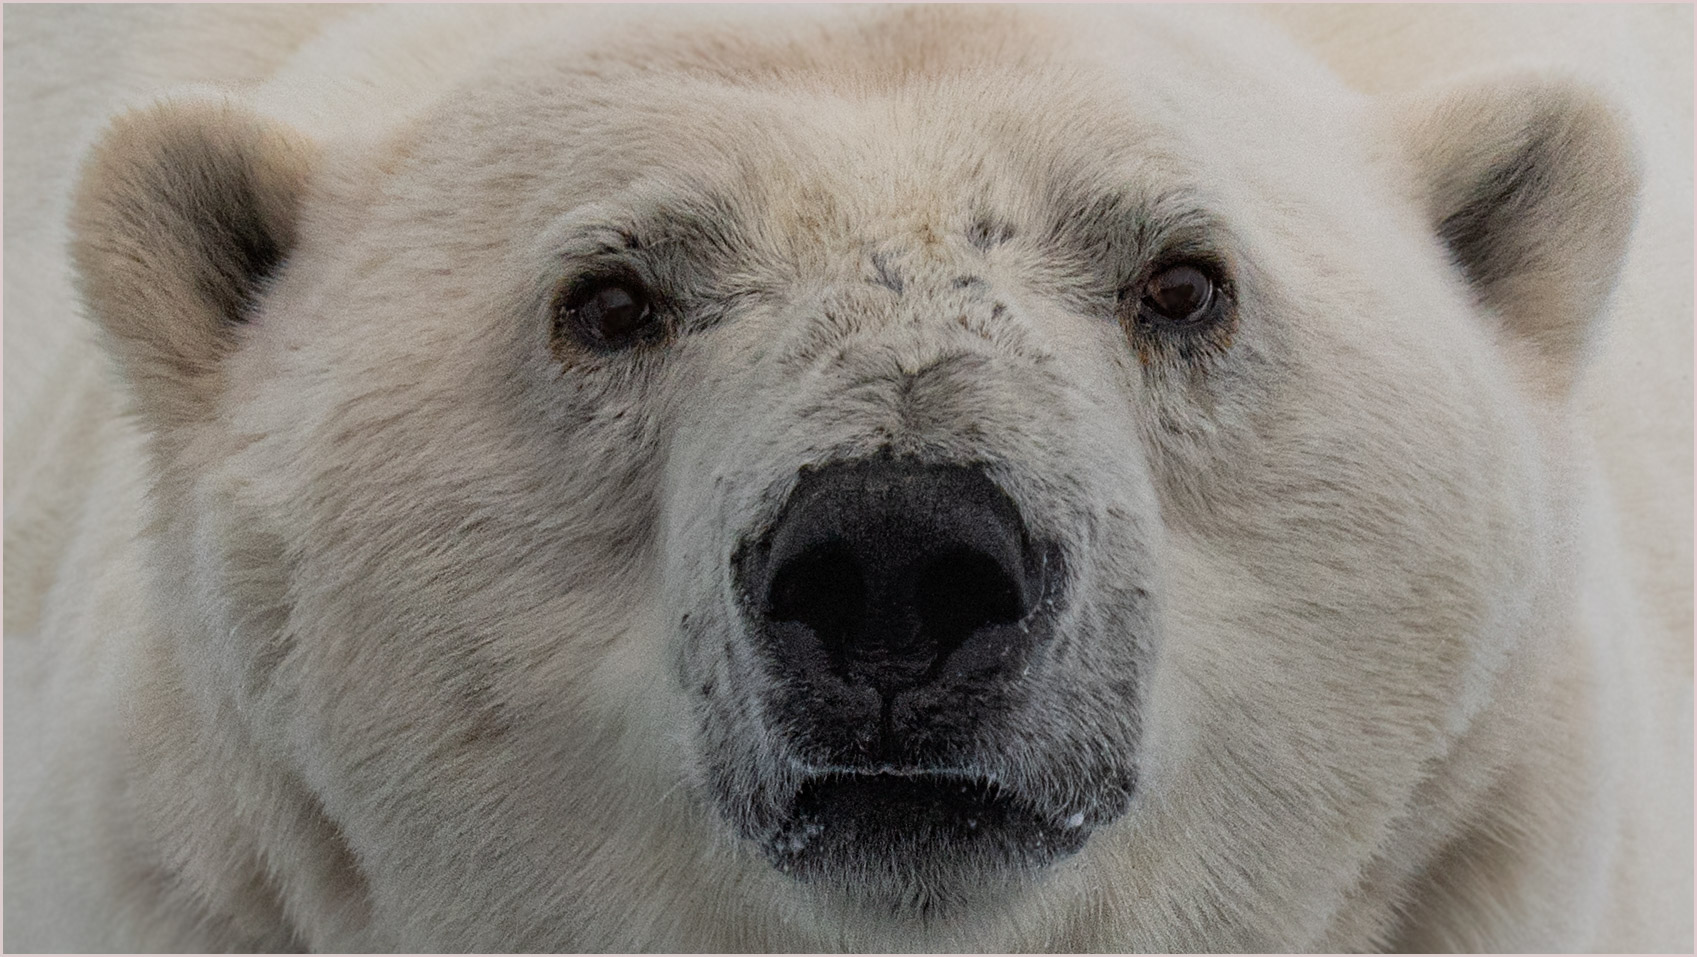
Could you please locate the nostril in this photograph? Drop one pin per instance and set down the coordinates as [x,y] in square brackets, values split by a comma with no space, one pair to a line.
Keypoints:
[822,588]
[882,573]
[960,591]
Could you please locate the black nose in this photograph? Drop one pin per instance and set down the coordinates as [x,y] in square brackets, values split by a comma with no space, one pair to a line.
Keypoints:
[888,573]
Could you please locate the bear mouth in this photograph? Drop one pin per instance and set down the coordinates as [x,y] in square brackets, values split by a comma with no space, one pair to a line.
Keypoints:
[915,829]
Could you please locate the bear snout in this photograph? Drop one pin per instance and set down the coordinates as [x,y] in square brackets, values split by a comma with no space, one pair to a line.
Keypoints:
[896,603]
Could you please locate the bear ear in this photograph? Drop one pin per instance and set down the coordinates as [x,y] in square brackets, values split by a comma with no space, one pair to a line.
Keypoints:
[1532,184]
[183,211]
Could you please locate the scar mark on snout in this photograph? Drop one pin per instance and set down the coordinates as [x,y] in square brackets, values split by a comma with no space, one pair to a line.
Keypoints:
[885,275]
[970,282]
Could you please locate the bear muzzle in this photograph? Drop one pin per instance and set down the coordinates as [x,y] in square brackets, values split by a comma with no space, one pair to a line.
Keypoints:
[900,609]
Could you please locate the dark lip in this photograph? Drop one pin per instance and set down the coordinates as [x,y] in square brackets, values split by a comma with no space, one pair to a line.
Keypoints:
[916,825]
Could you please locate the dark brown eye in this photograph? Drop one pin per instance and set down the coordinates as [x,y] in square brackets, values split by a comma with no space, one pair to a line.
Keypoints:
[610,311]
[1182,294]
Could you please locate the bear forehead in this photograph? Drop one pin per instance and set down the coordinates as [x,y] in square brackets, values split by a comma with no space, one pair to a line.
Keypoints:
[837,143]
[769,157]
[897,105]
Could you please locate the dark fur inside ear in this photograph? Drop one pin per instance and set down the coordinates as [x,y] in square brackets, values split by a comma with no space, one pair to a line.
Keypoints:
[1532,184]
[183,212]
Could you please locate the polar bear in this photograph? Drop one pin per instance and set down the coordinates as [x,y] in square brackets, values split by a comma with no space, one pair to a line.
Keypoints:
[871,479]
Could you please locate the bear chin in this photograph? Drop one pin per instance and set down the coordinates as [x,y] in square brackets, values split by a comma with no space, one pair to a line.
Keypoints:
[917,841]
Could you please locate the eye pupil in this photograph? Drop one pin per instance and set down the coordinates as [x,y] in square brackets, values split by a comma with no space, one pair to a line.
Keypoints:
[1179,293]
[610,311]
[617,310]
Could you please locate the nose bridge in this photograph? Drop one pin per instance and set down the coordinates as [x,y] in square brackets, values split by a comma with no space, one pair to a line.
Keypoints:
[920,260]
[921,358]
[904,336]
[931,304]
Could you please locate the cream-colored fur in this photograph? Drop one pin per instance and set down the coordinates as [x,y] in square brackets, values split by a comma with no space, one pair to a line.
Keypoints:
[347,601]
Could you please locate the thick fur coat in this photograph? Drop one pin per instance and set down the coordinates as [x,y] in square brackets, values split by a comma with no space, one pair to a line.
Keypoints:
[380,577]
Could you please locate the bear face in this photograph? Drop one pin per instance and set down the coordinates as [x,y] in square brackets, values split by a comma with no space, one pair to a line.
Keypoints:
[891,486]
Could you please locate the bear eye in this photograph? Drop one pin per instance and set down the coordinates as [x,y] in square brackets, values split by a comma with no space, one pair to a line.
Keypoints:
[609,311]
[1181,294]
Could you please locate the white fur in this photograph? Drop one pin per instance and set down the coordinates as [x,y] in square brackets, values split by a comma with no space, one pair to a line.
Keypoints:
[363,635]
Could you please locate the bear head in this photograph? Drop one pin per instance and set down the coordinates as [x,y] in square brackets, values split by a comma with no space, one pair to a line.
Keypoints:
[938,479]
